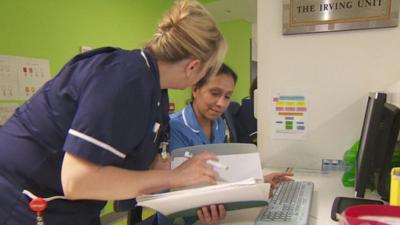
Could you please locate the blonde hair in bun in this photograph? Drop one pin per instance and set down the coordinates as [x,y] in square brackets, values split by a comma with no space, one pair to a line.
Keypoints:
[188,30]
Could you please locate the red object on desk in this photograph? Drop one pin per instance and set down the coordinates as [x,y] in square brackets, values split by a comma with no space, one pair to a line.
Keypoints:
[351,215]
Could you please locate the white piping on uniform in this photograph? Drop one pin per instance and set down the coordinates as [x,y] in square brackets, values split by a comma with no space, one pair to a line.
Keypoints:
[145,58]
[32,196]
[186,123]
[255,132]
[97,142]
[227,133]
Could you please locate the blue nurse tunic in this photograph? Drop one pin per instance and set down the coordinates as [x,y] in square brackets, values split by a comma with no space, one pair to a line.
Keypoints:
[101,107]
[186,131]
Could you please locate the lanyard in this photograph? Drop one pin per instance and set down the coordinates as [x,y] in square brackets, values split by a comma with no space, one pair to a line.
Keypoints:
[39,205]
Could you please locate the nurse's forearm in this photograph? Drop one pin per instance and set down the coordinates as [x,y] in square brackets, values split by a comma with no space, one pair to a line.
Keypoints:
[84,180]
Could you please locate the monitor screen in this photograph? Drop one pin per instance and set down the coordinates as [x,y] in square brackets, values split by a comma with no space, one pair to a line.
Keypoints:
[386,145]
[368,142]
[378,139]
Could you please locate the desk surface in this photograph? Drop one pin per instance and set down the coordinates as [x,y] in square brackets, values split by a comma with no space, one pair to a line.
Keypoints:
[326,188]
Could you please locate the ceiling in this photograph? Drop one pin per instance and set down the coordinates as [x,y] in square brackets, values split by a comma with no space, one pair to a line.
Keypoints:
[228,10]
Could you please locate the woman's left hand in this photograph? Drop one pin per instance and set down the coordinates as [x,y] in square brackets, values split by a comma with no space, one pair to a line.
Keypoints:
[212,214]
[277,177]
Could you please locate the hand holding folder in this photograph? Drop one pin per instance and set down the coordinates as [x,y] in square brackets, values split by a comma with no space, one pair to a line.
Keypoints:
[244,188]
[246,193]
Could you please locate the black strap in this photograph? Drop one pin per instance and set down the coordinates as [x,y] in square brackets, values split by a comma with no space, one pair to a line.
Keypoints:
[163,120]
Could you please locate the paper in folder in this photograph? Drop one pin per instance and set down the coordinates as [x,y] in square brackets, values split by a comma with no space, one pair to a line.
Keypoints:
[235,195]
[241,186]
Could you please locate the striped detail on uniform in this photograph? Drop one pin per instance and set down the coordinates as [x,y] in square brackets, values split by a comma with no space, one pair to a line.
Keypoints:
[97,142]
[145,58]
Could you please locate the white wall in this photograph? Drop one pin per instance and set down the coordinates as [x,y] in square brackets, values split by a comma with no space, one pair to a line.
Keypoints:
[335,70]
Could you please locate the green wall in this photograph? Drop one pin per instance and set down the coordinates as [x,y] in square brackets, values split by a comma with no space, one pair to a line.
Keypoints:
[55,30]
[238,34]
[207,1]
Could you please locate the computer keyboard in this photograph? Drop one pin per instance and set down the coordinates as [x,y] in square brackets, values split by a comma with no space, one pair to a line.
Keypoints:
[290,205]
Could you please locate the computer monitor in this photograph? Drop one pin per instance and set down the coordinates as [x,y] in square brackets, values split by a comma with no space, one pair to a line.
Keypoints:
[378,137]
[388,139]
[368,142]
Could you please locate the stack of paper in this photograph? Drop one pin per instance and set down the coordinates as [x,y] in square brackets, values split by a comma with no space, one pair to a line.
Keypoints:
[243,185]
[241,166]
[248,190]
[243,160]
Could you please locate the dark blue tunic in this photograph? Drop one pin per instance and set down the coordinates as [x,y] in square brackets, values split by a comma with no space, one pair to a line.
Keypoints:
[101,107]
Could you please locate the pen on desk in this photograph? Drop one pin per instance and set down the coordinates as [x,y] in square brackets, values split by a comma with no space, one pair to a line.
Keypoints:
[211,162]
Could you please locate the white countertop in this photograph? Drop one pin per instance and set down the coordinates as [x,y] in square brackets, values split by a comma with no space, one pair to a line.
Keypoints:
[326,187]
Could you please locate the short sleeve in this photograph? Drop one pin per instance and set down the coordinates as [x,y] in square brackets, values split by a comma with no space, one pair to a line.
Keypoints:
[113,115]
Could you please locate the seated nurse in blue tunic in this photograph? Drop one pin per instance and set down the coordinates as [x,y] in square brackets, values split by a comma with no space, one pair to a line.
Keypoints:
[200,122]
[90,134]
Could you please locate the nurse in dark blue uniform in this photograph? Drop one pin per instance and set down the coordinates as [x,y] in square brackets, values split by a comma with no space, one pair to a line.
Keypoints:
[89,134]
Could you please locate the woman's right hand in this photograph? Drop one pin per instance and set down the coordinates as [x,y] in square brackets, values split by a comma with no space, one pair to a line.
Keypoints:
[195,171]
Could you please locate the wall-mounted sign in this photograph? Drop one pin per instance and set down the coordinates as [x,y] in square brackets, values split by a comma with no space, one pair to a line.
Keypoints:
[307,16]
[289,116]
